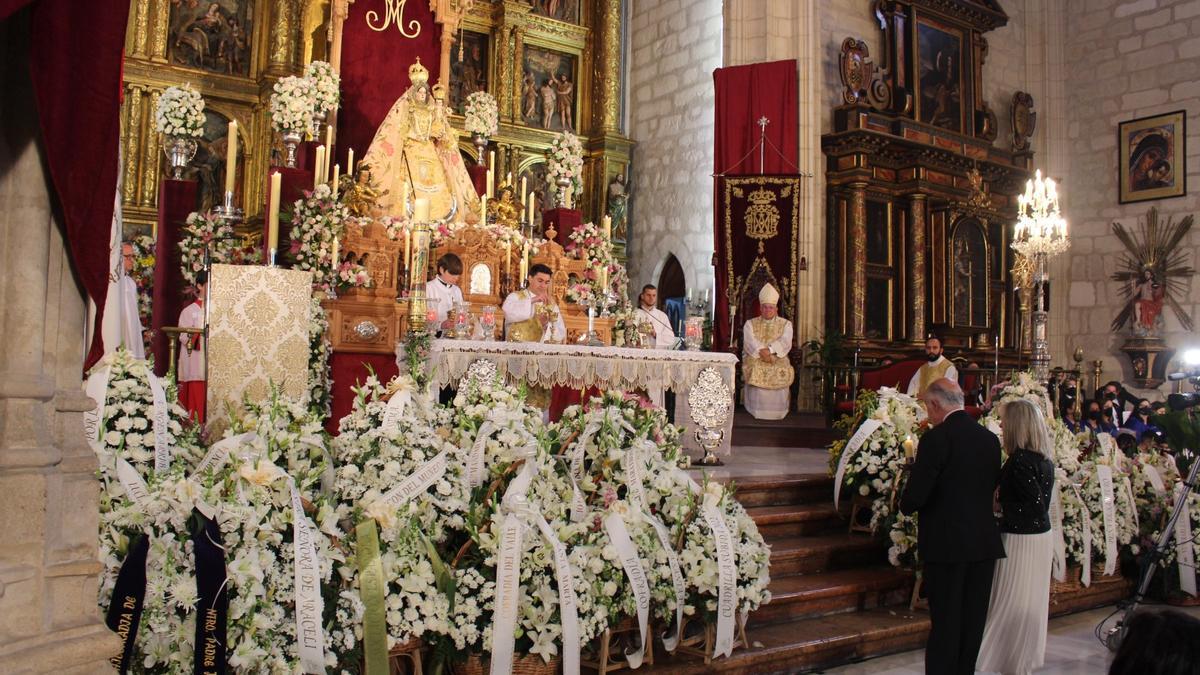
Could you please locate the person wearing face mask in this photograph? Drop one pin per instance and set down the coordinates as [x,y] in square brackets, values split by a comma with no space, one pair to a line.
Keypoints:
[938,367]
[1095,421]
[1139,422]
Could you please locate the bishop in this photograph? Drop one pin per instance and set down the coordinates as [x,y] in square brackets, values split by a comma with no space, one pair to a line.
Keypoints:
[766,370]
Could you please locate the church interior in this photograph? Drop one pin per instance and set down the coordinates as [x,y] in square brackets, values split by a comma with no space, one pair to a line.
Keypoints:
[540,336]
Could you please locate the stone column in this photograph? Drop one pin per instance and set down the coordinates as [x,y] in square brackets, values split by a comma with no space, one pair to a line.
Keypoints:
[916,286]
[857,268]
[49,572]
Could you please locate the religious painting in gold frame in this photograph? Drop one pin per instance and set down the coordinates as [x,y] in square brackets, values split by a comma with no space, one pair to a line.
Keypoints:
[562,10]
[940,94]
[213,36]
[1153,158]
[552,76]
[968,268]
[207,168]
[470,73]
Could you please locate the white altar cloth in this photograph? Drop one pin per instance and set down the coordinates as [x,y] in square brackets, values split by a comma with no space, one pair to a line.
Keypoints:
[578,366]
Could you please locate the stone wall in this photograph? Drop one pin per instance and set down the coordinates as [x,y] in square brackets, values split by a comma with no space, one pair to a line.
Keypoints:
[674,47]
[49,498]
[1126,59]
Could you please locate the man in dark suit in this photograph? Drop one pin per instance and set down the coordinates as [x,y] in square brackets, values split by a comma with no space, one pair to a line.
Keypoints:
[950,488]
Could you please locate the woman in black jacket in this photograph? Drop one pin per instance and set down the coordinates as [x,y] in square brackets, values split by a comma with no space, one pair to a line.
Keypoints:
[1014,641]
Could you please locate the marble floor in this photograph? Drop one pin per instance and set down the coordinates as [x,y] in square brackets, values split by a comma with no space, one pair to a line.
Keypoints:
[1071,649]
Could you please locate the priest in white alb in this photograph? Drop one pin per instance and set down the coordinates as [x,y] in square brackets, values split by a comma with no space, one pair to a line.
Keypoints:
[649,313]
[936,367]
[766,370]
[442,292]
[530,314]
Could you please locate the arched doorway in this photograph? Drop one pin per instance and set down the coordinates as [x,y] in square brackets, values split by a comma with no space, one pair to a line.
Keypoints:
[672,292]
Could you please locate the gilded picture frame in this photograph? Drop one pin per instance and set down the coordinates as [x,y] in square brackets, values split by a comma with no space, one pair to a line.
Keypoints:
[1152,157]
[941,98]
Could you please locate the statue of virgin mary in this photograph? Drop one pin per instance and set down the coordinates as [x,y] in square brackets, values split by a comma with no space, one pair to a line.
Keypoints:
[415,154]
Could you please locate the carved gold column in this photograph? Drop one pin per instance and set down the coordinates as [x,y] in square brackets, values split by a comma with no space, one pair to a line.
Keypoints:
[139,18]
[607,115]
[158,35]
[283,37]
[504,97]
[857,232]
[916,288]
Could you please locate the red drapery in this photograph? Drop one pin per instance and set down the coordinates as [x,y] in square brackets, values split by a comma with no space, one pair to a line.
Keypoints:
[75,51]
[350,370]
[743,95]
[176,199]
[374,67]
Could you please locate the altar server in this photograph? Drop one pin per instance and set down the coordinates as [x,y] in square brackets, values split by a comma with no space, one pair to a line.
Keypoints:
[191,371]
[938,367]
[766,370]
[648,312]
[530,314]
[442,292]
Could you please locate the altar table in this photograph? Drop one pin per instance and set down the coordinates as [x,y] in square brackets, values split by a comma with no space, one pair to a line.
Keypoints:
[579,366]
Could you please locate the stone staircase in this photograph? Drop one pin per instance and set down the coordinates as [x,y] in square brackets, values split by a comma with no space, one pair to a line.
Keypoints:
[835,599]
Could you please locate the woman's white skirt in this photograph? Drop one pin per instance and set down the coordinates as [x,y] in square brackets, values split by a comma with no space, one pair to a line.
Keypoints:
[1015,638]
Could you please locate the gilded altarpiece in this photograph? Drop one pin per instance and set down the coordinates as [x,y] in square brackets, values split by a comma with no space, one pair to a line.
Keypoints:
[233,52]
[921,197]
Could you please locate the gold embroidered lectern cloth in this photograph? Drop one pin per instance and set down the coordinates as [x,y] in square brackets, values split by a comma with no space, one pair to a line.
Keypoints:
[258,334]
[579,366]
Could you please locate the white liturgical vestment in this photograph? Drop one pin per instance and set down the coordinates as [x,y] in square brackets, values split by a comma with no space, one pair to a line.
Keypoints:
[442,296]
[518,307]
[768,397]
[191,361]
[664,337]
[928,372]
[131,324]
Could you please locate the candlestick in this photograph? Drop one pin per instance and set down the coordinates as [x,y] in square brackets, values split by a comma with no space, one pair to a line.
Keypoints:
[350,163]
[337,172]
[317,164]
[231,156]
[273,218]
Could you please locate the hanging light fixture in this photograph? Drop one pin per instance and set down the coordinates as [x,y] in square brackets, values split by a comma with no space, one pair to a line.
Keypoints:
[1040,233]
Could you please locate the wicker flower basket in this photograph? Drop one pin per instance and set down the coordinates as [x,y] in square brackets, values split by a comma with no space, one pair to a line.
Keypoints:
[1070,582]
[523,664]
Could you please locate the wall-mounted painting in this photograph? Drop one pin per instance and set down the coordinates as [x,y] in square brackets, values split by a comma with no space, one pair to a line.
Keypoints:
[469,74]
[213,36]
[969,275]
[548,89]
[208,166]
[1153,157]
[563,10]
[939,75]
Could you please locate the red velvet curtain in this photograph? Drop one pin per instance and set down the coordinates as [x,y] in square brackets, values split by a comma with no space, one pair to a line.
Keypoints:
[374,67]
[75,64]
[743,95]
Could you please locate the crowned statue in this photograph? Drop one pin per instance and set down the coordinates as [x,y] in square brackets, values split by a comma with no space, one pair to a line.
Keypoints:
[415,154]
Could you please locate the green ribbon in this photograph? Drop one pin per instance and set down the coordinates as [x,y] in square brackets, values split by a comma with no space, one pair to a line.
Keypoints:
[371,587]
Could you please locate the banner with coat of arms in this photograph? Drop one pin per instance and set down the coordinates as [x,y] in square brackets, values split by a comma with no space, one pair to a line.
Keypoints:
[758,221]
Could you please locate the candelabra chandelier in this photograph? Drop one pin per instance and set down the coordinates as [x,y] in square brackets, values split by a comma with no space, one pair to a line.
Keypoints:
[1040,233]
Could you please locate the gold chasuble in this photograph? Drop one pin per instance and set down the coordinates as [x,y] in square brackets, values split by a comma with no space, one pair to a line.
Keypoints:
[759,373]
[930,372]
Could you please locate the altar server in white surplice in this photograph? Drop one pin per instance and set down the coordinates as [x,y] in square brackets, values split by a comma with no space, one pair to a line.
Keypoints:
[648,312]
[127,295]
[530,314]
[766,370]
[442,292]
[191,373]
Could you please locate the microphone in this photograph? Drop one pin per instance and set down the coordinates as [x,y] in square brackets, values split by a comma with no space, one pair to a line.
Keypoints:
[1179,376]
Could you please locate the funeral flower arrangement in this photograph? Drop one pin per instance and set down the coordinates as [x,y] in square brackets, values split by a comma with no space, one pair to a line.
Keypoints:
[326,86]
[320,381]
[1108,493]
[143,277]
[565,161]
[180,112]
[316,220]
[207,234]
[482,115]
[869,462]
[292,105]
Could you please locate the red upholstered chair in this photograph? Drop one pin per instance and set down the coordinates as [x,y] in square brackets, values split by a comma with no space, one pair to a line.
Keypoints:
[895,375]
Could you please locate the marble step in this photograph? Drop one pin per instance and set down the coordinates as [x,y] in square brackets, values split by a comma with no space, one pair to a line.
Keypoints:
[812,595]
[804,488]
[788,520]
[826,552]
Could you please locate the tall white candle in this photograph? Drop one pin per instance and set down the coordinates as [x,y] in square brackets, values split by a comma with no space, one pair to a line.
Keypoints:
[350,163]
[334,255]
[491,160]
[337,172]
[273,217]
[231,156]
[490,180]
[523,190]
[328,151]
[421,210]
[317,164]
